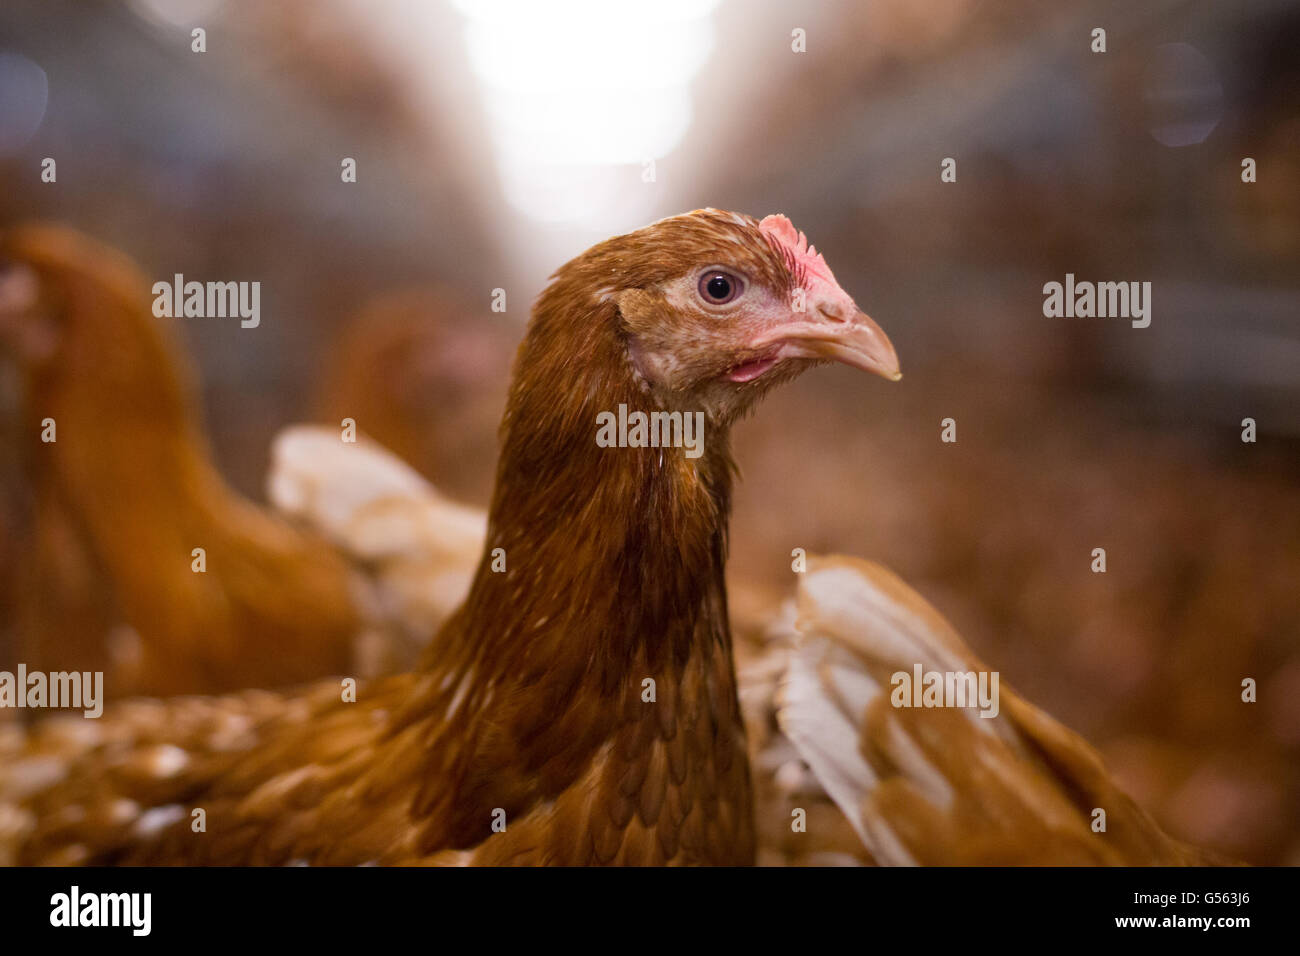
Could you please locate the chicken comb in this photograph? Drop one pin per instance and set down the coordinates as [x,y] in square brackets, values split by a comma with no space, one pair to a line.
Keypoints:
[802,259]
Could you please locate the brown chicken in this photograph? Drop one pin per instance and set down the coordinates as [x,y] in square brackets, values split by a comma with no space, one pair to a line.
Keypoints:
[127,491]
[581,705]
[944,785]
[424,374]
[413,551]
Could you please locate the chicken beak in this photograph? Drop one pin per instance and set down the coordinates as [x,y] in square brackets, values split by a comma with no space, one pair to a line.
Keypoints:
[832,328]
[856,341]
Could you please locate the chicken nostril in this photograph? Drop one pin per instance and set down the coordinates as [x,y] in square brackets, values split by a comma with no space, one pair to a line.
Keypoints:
[832,313]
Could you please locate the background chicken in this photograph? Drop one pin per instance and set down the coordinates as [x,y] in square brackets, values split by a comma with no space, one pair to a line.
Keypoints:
[119,501]
[585,692]
[416,549]
[424,374]
[943,786]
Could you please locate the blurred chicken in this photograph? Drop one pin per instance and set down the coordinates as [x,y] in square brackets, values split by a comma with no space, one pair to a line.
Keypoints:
[943,785]
[127,491]
[424,374]
[416,549]
[581,705]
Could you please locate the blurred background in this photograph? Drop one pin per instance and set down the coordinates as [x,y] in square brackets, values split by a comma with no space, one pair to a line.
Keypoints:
[494,140]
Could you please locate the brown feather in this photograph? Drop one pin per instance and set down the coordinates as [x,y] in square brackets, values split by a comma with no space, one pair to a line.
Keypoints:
[945,786]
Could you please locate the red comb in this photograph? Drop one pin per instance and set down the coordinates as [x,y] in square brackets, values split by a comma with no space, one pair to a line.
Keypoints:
[804,260]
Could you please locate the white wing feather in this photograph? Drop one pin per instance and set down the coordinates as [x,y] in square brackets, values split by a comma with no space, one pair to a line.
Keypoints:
[415,549]
[943,785]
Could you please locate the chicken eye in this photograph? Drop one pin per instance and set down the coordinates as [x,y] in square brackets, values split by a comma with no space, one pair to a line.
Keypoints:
[719,288]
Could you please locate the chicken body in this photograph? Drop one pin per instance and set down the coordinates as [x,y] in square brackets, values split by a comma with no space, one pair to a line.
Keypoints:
[944,785]
[141,562]
[419,551]
[581,706]
[1009,795]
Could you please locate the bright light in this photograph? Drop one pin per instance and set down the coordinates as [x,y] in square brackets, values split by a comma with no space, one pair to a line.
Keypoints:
[564,54]
[573,87]
[177,14]
[595,126]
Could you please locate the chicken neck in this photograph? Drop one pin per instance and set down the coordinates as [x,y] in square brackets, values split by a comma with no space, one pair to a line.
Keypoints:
[588,678]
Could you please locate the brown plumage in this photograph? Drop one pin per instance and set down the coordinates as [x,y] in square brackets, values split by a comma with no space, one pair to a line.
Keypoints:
[943,785]
[121,499]
[419,552]
[531,707]
[412,550]
[420,371]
